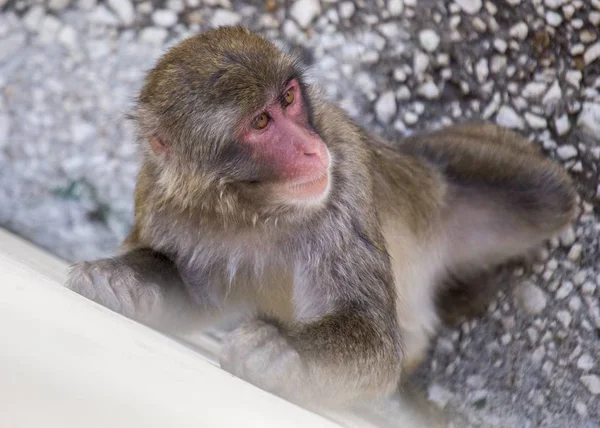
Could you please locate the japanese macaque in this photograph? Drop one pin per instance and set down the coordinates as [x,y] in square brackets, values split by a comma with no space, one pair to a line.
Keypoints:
[257,196]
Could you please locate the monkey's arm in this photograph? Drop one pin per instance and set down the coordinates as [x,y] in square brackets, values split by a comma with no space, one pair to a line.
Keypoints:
[141,284]
[345,344]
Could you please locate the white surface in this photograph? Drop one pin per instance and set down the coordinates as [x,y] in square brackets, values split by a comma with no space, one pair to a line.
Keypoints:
[67,362]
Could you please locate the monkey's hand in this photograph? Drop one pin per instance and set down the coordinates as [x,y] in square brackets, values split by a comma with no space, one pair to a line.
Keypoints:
[332,360]
[116,285]
[259,353]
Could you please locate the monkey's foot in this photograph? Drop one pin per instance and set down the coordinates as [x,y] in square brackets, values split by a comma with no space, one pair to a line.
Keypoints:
[258,353]
[114,285]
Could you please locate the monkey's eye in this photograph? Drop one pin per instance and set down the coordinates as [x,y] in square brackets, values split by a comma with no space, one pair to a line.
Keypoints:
[288,98]
[260,121]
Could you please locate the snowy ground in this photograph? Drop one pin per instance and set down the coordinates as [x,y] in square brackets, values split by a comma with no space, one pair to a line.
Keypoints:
[69,71]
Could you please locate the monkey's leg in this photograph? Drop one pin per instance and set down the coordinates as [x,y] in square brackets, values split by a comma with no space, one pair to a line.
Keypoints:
[503,199]
[141,284]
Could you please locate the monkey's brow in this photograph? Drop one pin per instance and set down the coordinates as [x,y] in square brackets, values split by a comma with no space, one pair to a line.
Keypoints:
[281,96]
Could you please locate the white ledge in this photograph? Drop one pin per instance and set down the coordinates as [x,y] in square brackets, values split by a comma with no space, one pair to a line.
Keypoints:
[68,362]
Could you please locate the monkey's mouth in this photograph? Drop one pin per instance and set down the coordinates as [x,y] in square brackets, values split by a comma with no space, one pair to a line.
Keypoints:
[308,190]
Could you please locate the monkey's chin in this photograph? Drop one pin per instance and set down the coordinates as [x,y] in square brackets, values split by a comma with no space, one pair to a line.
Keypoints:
[308,192]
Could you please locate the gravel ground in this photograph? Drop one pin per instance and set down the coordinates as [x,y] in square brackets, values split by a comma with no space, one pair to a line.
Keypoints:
[69,71]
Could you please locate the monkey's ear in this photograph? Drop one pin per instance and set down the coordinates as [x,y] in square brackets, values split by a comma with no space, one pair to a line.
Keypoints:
[158,146]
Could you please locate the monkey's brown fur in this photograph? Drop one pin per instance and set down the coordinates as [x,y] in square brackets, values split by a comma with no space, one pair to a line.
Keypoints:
[341,296]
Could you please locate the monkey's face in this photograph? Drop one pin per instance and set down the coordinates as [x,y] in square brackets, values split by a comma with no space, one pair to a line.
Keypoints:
[291,160]
[230,125]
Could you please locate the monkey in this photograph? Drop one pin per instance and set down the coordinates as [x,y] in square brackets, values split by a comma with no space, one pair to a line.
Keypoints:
[258,196]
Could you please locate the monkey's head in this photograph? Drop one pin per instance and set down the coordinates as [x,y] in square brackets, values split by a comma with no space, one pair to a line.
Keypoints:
[227,121]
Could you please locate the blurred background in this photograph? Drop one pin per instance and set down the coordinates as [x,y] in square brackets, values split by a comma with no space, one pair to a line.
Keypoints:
[70,71]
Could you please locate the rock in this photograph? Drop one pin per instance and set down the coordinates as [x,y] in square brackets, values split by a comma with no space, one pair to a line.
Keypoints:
[420,63]
[498,63]
[566,152]
[562,125]
[347,9]
[547,368]
[9,46]
[445,346]
[86,4]
[500,45]
[429,90]
[564,317]
[385,107]
[33,18]
[595,18]
[575,252]
[581,408]
[573,77]
[101,15]
[400,75]
[585,362]
[589,119]
[564,290]
[553,4]
[568,11]
[164,18]
[577,49]
[403,93]
[49,28]
[153,35]
[395,7]
[305,11]
[519,31]
[534,121]
[67,36]
[574,303]
[429,40]
[439,395]
[479,25]
[481,70]
[178,6]
[410,118]
[223,17]
[567,236]
[538,354]
[592,53]
[58,5]
[82,131]
[531,298]
[508,118]
[554,94]
[587,36]
[588,288]
[469,6]
[124,10]
[534,90]
[476,381]
[554,19]
[4,129]
[592,383]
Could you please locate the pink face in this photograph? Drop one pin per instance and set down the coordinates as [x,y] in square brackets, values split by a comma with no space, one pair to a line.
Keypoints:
[280,136]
